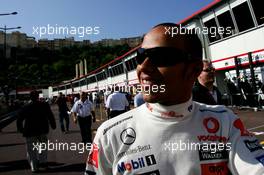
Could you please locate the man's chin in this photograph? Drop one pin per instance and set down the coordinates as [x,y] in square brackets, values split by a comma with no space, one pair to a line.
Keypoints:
[151,98]
[209,82]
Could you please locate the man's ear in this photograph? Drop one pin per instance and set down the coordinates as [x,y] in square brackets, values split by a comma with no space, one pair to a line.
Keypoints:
[198,67]
[193,70]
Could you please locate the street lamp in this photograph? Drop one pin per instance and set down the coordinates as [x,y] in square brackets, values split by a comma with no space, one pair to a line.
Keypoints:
[5,29]
[3,14]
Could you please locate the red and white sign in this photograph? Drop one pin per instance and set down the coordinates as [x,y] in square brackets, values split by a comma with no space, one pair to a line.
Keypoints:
[229,63]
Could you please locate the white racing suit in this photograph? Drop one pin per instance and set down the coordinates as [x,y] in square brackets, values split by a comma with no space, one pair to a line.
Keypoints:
[185,139]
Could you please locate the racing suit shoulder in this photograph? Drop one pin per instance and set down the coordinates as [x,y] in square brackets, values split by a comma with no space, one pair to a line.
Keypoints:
[211,108]
[246,155]
[100,160]
[117,123]
[225,115]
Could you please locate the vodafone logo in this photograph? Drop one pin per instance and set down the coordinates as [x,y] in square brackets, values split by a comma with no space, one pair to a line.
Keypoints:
[211,124]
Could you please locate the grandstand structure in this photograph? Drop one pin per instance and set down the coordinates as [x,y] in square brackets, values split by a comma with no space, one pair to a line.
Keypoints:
[232,35]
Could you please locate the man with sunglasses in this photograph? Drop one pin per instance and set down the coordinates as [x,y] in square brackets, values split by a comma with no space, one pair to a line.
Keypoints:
[171,134]
[204,90]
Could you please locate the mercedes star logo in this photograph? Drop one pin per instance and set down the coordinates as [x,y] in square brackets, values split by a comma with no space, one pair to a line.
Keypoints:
[128,136]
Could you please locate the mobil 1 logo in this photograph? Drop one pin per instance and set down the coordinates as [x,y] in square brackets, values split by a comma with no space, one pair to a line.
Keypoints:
[137,163]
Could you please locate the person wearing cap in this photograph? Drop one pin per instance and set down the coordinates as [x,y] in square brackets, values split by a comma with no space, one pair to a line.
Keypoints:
[172,134]
[33,121]
[204,90]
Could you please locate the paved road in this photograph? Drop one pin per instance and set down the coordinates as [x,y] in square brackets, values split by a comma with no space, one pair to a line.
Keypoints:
[13,155]
[254,122]
[13,151]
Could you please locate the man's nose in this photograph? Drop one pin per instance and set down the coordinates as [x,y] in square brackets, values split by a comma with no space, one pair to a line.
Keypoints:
[147,65]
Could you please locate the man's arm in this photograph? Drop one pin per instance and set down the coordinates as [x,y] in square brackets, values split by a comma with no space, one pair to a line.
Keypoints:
[74,112]
[74,117]
[135,101]
[92,109]
[66,104]
[51,117]
[246,155]
[57,100]
[20,120]
[107,105]
[99,159]
[93,115]
[127,104]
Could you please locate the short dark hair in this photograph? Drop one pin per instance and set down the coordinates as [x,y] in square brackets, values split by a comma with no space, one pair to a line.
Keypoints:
[117,88]
[83,93]
[193,40]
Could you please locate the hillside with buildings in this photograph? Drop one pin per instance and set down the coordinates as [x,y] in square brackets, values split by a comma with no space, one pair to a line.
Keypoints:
[26,62]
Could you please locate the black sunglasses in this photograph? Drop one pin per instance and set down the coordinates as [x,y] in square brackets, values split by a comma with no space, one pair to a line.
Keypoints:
[163,56]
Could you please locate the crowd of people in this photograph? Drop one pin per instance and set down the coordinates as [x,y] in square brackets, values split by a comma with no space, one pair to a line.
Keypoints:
[243,93]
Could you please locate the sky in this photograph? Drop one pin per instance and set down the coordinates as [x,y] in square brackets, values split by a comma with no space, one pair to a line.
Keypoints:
[93,19]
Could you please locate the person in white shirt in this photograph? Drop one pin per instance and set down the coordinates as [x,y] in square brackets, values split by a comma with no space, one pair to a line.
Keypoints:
[138,100]
[83,112]
[116,103]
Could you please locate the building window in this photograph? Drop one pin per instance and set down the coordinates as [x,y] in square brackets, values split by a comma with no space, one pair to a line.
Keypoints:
[83,82]
[131,64]
[68,86]
[107,73]
[76,84]
[101,76]
[91,79]
[128,65]
[110,72]
[134,63]
[243,17]
[258,10]
[114,70]
[213,35]
[225,21]
[117,69]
